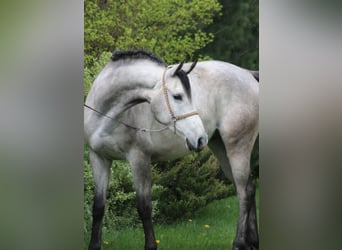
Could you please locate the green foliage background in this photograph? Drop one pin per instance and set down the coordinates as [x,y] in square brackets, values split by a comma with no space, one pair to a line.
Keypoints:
[171,29]
[174,30]
[236,34]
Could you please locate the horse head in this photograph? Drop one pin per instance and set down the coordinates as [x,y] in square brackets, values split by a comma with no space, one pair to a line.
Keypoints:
[171,104]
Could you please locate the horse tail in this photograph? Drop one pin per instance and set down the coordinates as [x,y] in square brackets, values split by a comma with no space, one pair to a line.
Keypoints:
[255,73]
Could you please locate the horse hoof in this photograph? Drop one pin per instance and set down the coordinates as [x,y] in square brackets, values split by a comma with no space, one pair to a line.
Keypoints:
[151,248]
[243,246]
[95,246]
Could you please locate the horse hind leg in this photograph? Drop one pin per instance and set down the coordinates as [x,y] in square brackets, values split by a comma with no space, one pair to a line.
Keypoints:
[236,166]
[247,230]
[101,170]
[252,235]
[141,170]
[240,171]
[217,147]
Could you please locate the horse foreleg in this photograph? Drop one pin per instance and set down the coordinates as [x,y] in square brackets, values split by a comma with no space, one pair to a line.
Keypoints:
[101,168]
[144,206]
[141,170]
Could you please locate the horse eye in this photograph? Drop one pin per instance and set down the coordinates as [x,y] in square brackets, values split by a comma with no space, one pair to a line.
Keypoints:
[178,97]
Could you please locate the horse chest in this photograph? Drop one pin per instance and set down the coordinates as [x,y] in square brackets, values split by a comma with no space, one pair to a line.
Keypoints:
[167,146]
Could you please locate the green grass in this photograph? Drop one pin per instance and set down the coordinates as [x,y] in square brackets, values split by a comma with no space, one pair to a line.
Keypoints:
[220,215]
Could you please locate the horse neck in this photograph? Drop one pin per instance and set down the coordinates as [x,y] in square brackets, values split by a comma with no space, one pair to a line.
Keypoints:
[126,85]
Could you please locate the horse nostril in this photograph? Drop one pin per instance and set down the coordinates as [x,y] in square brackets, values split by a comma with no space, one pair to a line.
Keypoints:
[201,143]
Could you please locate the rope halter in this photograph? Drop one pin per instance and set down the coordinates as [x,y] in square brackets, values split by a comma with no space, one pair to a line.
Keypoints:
[174,117]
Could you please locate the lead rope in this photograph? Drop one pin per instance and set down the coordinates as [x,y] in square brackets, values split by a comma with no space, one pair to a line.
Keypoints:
[125,124]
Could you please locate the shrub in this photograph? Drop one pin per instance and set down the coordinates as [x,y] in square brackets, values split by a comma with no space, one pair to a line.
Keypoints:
[187,185]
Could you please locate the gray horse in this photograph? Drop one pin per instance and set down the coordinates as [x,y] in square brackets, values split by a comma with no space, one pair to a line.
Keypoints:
[142,110]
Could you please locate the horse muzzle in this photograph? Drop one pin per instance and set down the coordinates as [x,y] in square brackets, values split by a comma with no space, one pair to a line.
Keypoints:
[199,145]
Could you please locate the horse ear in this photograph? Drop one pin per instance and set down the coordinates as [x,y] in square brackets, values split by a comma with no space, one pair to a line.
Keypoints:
[192,67]
[178,68]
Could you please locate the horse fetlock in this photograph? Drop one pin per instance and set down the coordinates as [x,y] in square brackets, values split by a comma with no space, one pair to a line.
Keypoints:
[255,245]
[241,244]
[253,238]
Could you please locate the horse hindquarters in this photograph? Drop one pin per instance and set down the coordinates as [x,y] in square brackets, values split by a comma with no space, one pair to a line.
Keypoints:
[101,170]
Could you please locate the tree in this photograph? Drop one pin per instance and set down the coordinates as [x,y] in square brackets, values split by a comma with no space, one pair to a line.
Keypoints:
[236,34]
[171,29]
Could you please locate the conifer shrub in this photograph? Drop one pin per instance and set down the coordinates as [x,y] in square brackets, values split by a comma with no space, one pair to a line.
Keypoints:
[186,185]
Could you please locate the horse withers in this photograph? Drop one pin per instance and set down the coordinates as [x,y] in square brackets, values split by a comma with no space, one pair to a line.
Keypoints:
[142,110]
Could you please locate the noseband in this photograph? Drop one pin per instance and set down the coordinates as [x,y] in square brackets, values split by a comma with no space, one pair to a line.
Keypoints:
[174,117]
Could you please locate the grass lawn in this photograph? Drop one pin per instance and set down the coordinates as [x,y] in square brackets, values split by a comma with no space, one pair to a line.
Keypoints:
[212,228]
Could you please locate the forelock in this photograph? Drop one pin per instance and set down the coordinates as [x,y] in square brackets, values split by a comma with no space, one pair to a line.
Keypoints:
[185,82]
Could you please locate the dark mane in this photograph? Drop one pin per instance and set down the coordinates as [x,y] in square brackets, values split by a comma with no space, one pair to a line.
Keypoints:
[143,54]
[136,54]
[185,82]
